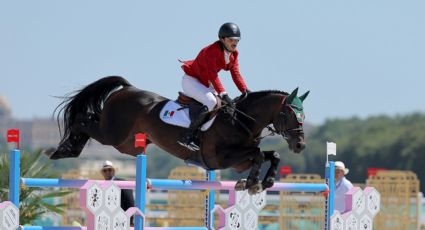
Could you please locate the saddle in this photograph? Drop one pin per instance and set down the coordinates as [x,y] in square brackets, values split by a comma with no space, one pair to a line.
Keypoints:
[195,106]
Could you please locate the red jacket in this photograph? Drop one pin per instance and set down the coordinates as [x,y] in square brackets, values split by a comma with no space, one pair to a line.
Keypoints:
[209,62]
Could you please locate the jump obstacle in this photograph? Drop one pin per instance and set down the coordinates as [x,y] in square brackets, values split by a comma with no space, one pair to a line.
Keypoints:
[142,184]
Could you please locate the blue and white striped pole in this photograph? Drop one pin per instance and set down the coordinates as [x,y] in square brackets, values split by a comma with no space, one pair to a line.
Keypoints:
[140,189]
[330,180]
[210,201]
[14,177]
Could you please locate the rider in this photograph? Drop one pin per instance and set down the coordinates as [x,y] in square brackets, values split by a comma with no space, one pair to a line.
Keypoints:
[201,81]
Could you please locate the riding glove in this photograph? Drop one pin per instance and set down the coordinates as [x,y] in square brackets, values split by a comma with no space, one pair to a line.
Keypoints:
[227,99]
[245,93]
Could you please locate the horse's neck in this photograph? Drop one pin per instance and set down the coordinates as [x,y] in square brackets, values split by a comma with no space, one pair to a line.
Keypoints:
[262,108]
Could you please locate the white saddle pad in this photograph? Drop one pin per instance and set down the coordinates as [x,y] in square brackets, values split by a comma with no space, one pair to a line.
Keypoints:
[173,114]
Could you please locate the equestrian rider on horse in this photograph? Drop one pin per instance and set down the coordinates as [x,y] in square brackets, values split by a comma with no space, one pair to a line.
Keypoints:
[201,81]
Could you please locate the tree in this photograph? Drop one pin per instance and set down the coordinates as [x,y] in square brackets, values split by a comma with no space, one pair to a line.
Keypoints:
[34,202]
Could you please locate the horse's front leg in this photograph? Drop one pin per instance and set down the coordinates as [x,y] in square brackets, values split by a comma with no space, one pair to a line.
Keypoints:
[269,178]
[246,156]
[253,181]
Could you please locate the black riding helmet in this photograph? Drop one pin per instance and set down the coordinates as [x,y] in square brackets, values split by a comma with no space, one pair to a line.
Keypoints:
[229,30]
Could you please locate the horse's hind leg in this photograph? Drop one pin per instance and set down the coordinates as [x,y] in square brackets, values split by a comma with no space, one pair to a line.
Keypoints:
[74,144]
[114,127]
[274,159]
[100,131]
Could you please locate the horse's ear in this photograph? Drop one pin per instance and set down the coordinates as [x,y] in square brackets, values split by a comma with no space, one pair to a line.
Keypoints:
[291,96]
[302,97]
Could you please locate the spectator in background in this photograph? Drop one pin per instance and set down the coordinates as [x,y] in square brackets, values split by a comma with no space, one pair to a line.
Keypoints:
[342,185]
[127,199]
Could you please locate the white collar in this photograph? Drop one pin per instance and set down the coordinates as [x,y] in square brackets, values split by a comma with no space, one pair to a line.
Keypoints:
[227,56]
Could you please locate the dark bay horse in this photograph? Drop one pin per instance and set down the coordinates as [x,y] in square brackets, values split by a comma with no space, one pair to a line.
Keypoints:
[112,111]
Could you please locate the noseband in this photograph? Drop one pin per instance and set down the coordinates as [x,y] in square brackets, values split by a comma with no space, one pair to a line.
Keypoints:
[282,118]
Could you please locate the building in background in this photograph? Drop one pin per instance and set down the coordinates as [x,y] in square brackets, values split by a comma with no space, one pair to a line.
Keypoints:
[34,134]
[39,133]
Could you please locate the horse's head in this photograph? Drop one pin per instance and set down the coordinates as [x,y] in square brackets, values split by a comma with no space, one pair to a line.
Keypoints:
[290,119]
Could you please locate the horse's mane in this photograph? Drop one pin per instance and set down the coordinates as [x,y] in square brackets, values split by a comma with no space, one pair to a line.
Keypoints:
[271,91]
[258,94]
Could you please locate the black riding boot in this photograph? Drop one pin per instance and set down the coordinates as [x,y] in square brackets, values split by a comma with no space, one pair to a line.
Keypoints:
[186,139]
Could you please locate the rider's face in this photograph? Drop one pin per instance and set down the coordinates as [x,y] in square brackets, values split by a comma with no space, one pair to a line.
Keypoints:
[230,43]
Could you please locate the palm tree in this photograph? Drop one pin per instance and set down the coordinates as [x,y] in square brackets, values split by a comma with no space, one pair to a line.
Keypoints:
[34,202]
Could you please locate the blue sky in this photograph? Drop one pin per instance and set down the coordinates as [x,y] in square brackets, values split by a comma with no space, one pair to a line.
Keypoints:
[358,58]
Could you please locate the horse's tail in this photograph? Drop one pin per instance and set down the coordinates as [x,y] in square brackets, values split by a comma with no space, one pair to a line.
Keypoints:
[90,99]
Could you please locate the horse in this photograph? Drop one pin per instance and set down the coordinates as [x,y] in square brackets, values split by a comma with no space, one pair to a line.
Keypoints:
[111,111]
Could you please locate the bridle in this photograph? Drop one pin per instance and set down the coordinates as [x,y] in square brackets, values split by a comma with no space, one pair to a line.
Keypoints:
[285,133]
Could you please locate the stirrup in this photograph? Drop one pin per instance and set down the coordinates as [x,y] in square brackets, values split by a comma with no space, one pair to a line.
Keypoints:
[191,145]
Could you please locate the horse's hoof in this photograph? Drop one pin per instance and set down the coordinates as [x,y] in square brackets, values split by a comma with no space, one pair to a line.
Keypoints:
[54,154]
[63,151]
[255,189]
[240,185]
[48,152]
[268,183]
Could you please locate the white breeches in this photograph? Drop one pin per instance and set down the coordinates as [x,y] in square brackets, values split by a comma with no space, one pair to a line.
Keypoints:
[196,90]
